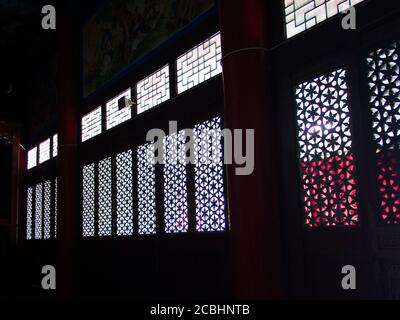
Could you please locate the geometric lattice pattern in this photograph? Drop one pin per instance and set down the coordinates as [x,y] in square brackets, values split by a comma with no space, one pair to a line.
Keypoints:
[153,90]
[55,207]
[384,88]
[199,64]
[29,213]
[44,151]
[175,190]
[115,116]
[32,158]
[38,210]
[209,179]
[105,198]
[55,145]
[46,209]
[325,144]
[384,98]
[146,189]
[88,200]
[91,124]
[389,187]
[323,117]
[304,14]
[124,193]
[329,190]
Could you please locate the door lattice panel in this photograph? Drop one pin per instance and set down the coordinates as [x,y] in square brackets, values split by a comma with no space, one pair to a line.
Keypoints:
[105,198]
[146,189]
[325,141]
[124,194]
[88,184]
[175,190]
[209,181]
[384,90]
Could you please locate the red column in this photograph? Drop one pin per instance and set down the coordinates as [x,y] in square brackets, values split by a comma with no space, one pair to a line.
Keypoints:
[254,217]
[68,81]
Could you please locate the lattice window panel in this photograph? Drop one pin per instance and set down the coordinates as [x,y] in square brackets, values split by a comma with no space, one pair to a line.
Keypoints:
[55,208]
[91,124]
[199,64]
[124,193]
[384,99]
[115,116]
[44,151]
[326,160]
[88,197]
[146,189]
[175,190]
[38,210]
[209,179]
[105,197]
[389,187]
[29,211]
[153,90]
[301,15]
[46,209]
[32,158]
[55,145]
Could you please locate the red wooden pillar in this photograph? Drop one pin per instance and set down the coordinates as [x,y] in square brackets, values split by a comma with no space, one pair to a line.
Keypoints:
[68,81]
[254,218]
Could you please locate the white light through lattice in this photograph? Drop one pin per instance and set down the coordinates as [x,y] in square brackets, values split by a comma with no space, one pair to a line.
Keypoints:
[304,14]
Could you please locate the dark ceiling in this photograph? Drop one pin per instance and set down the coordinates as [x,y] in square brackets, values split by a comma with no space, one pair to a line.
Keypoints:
[28,59]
